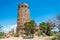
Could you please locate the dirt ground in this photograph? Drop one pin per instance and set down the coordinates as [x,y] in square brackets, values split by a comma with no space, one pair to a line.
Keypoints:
[20,38]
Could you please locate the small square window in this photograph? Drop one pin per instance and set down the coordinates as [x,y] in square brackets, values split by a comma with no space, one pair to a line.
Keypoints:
[25,6]
[19,6]
[22,6]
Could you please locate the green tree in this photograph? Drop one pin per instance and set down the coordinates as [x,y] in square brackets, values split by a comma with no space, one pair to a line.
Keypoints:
[1,33]
[29,27]
[43,26]
[46,27]
[49,28]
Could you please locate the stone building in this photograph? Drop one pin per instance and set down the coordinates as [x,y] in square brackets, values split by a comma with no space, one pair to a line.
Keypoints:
[23,16]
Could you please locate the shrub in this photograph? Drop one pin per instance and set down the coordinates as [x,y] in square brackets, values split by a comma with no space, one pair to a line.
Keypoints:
[54,38]
[1,35]
[40,34]
[58,37]
[16,35]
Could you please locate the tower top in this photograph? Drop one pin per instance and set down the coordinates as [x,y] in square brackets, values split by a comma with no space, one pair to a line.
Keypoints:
[24,4]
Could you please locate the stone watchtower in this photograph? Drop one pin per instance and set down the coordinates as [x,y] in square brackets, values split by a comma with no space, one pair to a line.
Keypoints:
[23,16]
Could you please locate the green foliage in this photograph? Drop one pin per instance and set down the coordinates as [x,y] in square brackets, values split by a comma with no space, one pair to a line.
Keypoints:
[54,33]
[54,38]
[49,27]
[1,35]
[58,37]
[16,35]
[29,27]
[46,27]
[43,26]
[40,33]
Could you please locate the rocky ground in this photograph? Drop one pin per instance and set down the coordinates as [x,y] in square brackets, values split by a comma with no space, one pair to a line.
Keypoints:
[20,38]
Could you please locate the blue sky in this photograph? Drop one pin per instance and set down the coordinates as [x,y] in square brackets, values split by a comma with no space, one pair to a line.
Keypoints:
[40,10]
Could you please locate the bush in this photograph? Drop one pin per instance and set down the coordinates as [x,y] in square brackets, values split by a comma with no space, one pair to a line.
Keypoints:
[55,38]
[58,37]
[16,35]
[1,35]
[53,34]
[39,34]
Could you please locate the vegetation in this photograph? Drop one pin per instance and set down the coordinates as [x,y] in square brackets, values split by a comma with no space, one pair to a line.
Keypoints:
[39,34]
[54,38]
[29,27]
[46,27]
[58,37]
[1,33]
[43,26]
[49,28]
[16,35]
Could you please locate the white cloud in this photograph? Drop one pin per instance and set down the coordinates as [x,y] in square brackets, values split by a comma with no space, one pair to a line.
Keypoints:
[6,29]
[55,29]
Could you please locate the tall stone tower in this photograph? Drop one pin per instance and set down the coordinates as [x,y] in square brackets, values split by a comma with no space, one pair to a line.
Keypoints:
[23,16]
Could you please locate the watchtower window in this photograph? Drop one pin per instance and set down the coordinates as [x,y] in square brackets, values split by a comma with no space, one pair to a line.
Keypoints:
[22,6]
[19,6]
[25,6]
